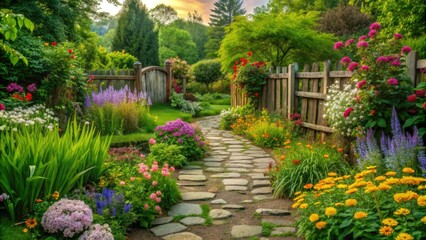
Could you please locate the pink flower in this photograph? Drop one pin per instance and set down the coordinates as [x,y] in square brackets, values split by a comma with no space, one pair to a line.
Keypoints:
[166,165]
[122,183]
[349,42]
[365,67]
[143,168]
[132,178]
[420,93]
[412,98]
[424,105]
[375,26]
[362,38]
[396,63]
[158,200]
[348,112]
[345,60]
[158,193]
[381,59]
[165,172]
[405,49]
[152,141]
[338,45]
[397,36]
[153,196]
[146,206]
[154,168]
[172,169]
[2,107]
[372,33]
[361,83]
[352,66]
[157,208]
[147,175]
[392,81]
[141,156]
[362,44]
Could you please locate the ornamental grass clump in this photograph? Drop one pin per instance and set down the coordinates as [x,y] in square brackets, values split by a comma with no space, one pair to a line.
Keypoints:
[367,205]
[182,134]
[67,218]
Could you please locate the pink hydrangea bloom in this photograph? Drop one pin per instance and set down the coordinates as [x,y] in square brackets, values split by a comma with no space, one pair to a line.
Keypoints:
[372,33]
[405,49]
[157,208]
[381,59]
[362,44]
[396,63]
[397,36]
[154,183]
[362,38]
[375,26]
[345,60]
[338,45]
[152,141]
[349,42]
[361,83]
[365,67]
[392,81]
[352,66]
[146,206]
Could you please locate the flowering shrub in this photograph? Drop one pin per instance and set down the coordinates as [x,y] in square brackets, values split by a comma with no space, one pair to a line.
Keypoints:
[378,70]
[67,217]
[182,134]
[97,232]
[302,163]
[116,97]
[18,95]
[250,77]
[181,72]
[229,116]
[37,115]
[364,206]
[166,153]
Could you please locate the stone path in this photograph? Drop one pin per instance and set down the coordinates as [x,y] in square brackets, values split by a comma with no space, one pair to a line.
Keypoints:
[231,182]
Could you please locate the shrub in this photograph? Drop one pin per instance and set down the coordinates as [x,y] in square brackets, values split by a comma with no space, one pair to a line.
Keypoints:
[164,153]
[302,164]
[182,134]
[107,119]
[207,71]
[120,60]
[177,101]
[222,86]
[97,232]
[146,120]
[363,206]
[67,217]
[343,20]
[230,116]
[19,117]
[181,71]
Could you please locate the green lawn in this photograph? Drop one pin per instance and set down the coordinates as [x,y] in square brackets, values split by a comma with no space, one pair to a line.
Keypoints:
[10,232]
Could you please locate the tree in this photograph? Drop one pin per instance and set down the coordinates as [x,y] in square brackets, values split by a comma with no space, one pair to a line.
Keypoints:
[135,33]
[207,71]
[222,15]
[277,38]
[175,42]
[344,20]
[277,6]
[163,15]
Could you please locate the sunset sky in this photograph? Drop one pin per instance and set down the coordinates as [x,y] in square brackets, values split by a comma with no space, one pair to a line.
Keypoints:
[184,6]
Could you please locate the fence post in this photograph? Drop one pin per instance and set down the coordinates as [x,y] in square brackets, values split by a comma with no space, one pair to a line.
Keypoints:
[291,88]
[138,78]
[412,66]
[169,78]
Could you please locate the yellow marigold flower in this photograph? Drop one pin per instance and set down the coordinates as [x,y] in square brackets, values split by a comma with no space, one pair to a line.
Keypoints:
[300,200]
[360,215]
[326,156]
[371,189]
[390,222]
[287,147]
[338,178]
[295,205]
[330,211]
[423,219]
[390,174]
[317,203]
[404,236]
[25,230]
[331,174]
[338,204]
[46,44]
[314,217]
[55,195]
[386,230]
[342,186]
[299,144]
[346,176]
[318,194]
[320,225]
[380,178]
[359,175]
[384,186]
[410,180]
[392,181]
[400,197]
[298,193]
[350,191]
[421,187]
[308,186]
[303,206]
[351,202]
[402,211]
[412,195]
[421,201]
[408,170]
[31,222]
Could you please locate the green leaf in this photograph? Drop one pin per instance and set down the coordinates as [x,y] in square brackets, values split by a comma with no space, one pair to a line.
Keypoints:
[28,24]
[7,35]
[14,59]
[20,22]
[346,223]
[381,122]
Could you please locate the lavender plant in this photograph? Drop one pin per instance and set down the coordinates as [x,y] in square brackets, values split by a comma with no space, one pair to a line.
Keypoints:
[116,96]
[67,217]
[97,232]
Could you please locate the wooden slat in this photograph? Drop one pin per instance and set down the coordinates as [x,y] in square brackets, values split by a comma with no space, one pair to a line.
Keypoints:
[278,108]
[309,75]
[317,127]
[421,63]
[340,74]
[284,92]
[271,95]
[313,103]
[311,95]
[321,104]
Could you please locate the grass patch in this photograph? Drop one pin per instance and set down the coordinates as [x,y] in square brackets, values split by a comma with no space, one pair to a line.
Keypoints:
[267,229]
[212,110]
[206,214]
[8,231]
[224,101]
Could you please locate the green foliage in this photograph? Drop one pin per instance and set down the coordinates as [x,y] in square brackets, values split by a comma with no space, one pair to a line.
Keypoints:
[35,163]
[135,33]
[163,15]
[418,44]
[181,71]
[298,6]
[337,22]
[166,153]
[106,40]
[10,23]
[107,119]
[178,44]
[228,117]
[120,60]
[207,71]
[276,38]
[177,101]
[197,30]
[302,164]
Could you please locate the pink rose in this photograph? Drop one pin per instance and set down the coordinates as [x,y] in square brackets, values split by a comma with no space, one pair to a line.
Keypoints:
[152,141]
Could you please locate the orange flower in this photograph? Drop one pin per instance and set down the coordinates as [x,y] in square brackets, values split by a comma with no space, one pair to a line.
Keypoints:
[331,174]
[25,230]
[330,211]
[266,135]
[55,195]
[360,215]
[296,162]
[351,202]
[314,217]
[390,222]
[408,170]
[308,186]
[320,225]
[282,157]
[31,222]
[390,174]
[340,150]
[326,156]
[386,230]
[421,201]
[39,200]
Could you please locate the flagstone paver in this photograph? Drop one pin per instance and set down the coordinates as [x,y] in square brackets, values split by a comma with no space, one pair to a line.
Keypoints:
[182,236]
[241,231]
[193,196]
[168,228]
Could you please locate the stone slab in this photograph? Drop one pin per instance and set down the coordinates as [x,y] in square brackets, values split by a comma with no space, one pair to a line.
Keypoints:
[263,197]
[191,172]
[262,190]
[218,201]
[244,231]
[235,165]
[182,236]
[235,188]
[190,167]
[161,220]
[233,206]
[188,221]
[219,213]
[214,169]
[240,162]
[185,209]
[189,183]
[226,175]
[195,196]
[238,170]
[212,164]
[235,181]
[167,229]
[261,183]
[258,176]
[194,178]
[283,230]
[275,212]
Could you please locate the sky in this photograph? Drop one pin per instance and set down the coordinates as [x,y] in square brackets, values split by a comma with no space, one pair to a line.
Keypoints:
[184,6]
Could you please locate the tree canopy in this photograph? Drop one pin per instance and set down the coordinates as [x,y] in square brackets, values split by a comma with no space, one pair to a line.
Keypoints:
[163,15]
[277,38]
[175,42]
[135,33]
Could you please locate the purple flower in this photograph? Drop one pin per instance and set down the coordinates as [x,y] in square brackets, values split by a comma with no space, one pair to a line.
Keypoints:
[362,38]
[375,26]
[345,60]
[362,44]
[352,66]
[406,49]
[381,59]
[372,33]
[396,63]
[349,42]
[32,87]
[14,87]
[180,140]
[97,232]
[392,81]
[397,36]
[365,67]
[338,45]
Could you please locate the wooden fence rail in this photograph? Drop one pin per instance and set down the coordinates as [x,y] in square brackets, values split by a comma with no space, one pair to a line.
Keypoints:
[289,91]
[154,81]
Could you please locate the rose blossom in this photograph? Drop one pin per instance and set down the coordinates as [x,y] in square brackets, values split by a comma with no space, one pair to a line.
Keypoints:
[397,36]
[406,49]
[412,98]
[338,45]
[375,26]
[361,83]
[348,112]
[362,44]
[392,81]
[345,60]
[349,42]
[352,66]
[420,93]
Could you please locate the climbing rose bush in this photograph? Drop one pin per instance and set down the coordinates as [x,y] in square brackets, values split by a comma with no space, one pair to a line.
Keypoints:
[364,206]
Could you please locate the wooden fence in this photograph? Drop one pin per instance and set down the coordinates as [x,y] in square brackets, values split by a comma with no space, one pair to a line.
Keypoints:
[154,81]
[289,91]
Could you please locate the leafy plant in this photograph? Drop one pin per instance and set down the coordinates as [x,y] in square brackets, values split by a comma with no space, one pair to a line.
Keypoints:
[230,116]
[207,71]
[165,153]
[177,100]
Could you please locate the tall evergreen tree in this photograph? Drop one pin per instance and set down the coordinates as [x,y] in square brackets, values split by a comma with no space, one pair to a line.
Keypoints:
[135,33]
[222,15]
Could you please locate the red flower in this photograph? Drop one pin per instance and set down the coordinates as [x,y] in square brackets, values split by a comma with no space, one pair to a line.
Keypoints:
[249,54]
[266,135]
[29,96]
[256,94]
[296,162]
[72,56]
[243,61]
[424,105]
[420,93]
[53,43]
[372,112]
[412,98]
[412,111]
[2,107]
[348,112]
[17,96]
[361,83]
[70,51]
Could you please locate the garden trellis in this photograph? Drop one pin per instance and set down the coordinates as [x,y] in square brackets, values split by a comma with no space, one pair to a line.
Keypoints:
[288,91]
